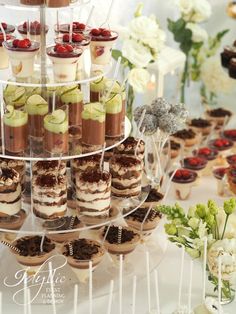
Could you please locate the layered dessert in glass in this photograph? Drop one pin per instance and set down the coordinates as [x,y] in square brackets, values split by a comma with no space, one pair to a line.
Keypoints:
[79,165]
[78,39]
[198,164]
[222,145]
[15,96]
[49,166]
[93,124]
[49,195]
[154,198]
[15,130]
[18,165]
[188,137]
[4,59]
[31,257]
[56,132]
[22,55]
[77,27]
[79,253]
[37,109]
[102,41]
[93,192]
[131,146]
[64,58]
[126,174]
[230,135]
[57,3]
[175,149]
[183,181]
[97,89]
[218,116]
[10,192]
[114,123]
[201,125]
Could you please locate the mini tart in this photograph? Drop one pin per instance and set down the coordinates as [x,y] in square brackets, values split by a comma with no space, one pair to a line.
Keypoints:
[223,146]
[188,136]
[219,174]
[201,125]
[197,164]
[218,115]
[154,198]
[84,250]
[13,222]
[183,181]
[129,240]
[62,224]
[231,175]
[139,220]
[30,254]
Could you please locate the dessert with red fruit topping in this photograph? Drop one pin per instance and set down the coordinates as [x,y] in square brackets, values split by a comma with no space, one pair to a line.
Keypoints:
[219,174]
[22,56]
[201,125]
[231,160]
[224,146]
[102,41]
[57,3]
[32,2]
[183,181]
[231,175]
[64,58]
[80,40]
[78,27]
[197,164]
[7,28]
[218,115]
[35,30]
[4,59]
[211,155]
[188,137]
[231,135]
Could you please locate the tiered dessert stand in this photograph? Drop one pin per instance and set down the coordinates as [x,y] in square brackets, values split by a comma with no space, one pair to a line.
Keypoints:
[12,279]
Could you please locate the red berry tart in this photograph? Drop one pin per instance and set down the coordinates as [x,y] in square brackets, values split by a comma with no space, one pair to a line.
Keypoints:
[223,146]
[77,39]
[183,181]
[195,163]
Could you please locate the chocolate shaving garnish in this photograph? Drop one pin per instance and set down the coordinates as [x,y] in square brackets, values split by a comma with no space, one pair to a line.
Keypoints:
[93,176]
[127,235]
[185,134]
[49,180]
[140,214]
[126,161]
[82,249]
[219,112]
[200,123]
[154,196]
[7,173]
[30,246]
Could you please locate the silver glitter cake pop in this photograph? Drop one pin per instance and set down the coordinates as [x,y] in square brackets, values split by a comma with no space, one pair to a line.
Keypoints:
[169,123]
[139,110]
[150,124]
[160,106]
[180,111]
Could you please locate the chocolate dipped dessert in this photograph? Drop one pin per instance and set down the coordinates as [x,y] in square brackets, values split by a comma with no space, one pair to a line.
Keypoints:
[218,116]
[220,174]
[54,167]
[201,125]
[49,196]
[183,181]
[10,192]
[129,148]
[143,220]
[102,41]
[31,257]
[15,130]
[79,253]
[186,136]
[126,174]
[119,239]
[93,192]
[198,164]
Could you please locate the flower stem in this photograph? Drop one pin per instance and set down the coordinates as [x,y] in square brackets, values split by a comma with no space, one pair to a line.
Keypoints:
[184,80]
[226,221]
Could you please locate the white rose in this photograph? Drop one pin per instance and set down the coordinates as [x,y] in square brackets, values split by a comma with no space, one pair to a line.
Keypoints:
[136,53]
[143,27]
[185,6]
[202,11]
[199,34]
[156,44]
[138,79]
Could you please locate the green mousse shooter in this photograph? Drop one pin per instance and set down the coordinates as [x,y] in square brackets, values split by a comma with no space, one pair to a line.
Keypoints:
[93,124]
[97,89]
[37,108]
[56,132]
[15,130]
[117,88]
[114,115]
[15,96]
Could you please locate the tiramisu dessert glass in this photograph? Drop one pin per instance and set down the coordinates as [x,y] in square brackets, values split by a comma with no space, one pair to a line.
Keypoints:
[188,137]
[79,253]
[129,148]
[93,124]
[31,257]
[210,155]
[79,165]
[18,165]
[64,58]
[4,59]
[126,174]
[198,164]
[49,166]
[220,175]
[102,41]
[21,54]
[49,195]
[37,108]
[153,199]
[10,192]
[93,192]
[183,181]
[56,132]
[15,130]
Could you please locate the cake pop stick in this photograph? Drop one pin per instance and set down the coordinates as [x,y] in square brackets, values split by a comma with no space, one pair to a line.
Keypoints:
[90,15]
[28,29]
[157,291]
[148,280]
[139,140]
[190,288]
[101,165]
[90,287]
[53,101]
[3,32]
[42,242]
[110,297]
[0,302]
[54,310]
[168,185]
[219,283]
[71,25]
[158,159]
[134,294]
[108,13]
[76,290]
[11,246]
[29,301]
[204,270]
[58,21]
[181,276]
[25,294]
[141,122]
[120,284]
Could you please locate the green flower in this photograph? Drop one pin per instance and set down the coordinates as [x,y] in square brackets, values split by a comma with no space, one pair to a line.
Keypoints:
[192,212]
[210,220]
[194,223]
[183,232]
[230,206]
[171,229]
[201,210]
[139,10]
[194,253]
[213,208]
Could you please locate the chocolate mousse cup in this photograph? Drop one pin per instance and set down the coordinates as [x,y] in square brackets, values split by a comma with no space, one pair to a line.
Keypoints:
[93,124]
[4,59]
[79,253]
[64,64]
[21,59]
[129,148]
[201,125]
[56,135]
[218,116]
[219,174]
[101,48]
[57,3]
[114,116]
[15,131]
[154,199]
